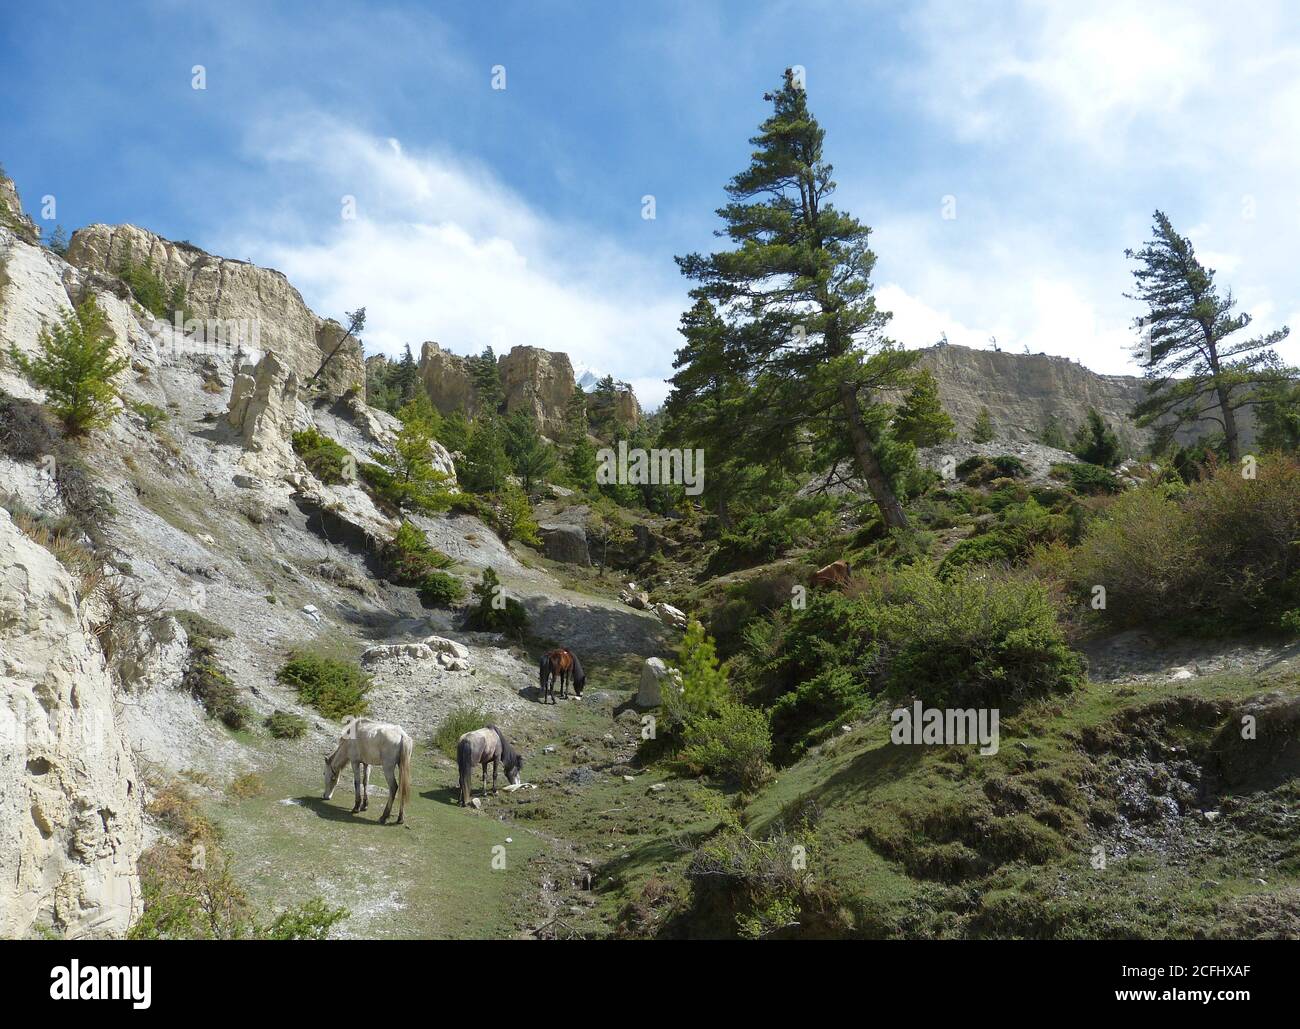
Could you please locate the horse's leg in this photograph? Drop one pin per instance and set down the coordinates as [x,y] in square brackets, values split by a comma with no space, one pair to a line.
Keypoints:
[494,775]
[392,792]
[365,786]
[356,785]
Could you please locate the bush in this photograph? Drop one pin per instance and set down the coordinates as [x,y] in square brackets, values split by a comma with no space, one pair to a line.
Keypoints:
[459,720]
[76,367]
[1216,556]
[977,639]
[735,743]
[149,291]
[205,680]
[1087,478]
[335,688]
[284,725]
[323,457]
[410,560]
[186,898]
[493,611]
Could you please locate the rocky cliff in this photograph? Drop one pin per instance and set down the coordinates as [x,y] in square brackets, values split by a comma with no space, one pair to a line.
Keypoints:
[69,792]
[249,307]
[534,380]
[1023,391]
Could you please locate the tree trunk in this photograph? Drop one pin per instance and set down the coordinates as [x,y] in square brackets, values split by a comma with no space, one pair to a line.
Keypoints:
[891,511]
[1229,427]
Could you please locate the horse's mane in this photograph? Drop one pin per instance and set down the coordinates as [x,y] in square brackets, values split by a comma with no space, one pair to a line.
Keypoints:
[509,756]
[579,676]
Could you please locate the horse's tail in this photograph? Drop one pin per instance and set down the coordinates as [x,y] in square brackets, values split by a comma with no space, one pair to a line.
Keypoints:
[404,773]
[542,669]
[465,762]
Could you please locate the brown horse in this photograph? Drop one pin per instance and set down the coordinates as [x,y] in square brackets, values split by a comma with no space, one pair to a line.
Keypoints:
[562,664]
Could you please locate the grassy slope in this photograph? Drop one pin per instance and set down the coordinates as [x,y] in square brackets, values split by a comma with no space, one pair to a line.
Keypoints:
[940,842]
[430,878]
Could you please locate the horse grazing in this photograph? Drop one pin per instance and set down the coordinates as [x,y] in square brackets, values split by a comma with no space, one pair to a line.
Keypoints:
[366,742]
[478,747]
[562,664]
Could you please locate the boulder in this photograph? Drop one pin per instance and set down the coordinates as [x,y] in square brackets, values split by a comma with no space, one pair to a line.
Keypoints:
[393,651]
[633,597]
[672,617]
[70,796]
[653,675]
[566,543]
[442,645]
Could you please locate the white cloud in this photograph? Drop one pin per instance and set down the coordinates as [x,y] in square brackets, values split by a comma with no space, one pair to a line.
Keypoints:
[441,250]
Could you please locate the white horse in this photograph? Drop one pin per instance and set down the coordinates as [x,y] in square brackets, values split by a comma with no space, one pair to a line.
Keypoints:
[364,743]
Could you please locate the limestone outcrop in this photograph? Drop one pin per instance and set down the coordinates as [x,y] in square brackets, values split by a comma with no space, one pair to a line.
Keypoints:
[447,380]
[1022,391]
[263,404]
[539,382]
[240,304]
[70,796]
[12,215]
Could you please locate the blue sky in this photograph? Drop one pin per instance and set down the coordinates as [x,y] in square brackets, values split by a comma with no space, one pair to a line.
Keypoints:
[514,216]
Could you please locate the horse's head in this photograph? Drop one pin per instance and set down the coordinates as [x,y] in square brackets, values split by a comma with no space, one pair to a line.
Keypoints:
[514,772]
[331,775]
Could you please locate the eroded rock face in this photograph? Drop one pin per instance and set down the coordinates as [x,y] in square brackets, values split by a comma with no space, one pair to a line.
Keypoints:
[12,216]
[447,380]
[257,308]
[70,798]
[540,382]
[263,404]
[1021,391]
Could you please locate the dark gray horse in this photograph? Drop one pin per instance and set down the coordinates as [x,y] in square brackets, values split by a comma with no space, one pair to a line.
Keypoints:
[480,746]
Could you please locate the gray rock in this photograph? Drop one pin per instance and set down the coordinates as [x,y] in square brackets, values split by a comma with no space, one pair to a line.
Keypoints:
[566,543]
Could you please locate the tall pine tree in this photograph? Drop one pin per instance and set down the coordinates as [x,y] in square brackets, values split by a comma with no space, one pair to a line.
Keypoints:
[1194,369]
[802,324]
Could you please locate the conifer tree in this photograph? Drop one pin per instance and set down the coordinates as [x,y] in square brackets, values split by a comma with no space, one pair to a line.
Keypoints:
[921,419]
[1195,371]
[75,366]
[802,324]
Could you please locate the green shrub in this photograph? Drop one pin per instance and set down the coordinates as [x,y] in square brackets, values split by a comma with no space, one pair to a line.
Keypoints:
[284,725]
[150,414]
[459,720]
[76,366]
[1087,478]
[494,611]
[1022,526]
[335,688]
[1217,556]
[733,744]
[410,560]
[977,639]
[204,678]
[149,291]
[324,458]
[760,538]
